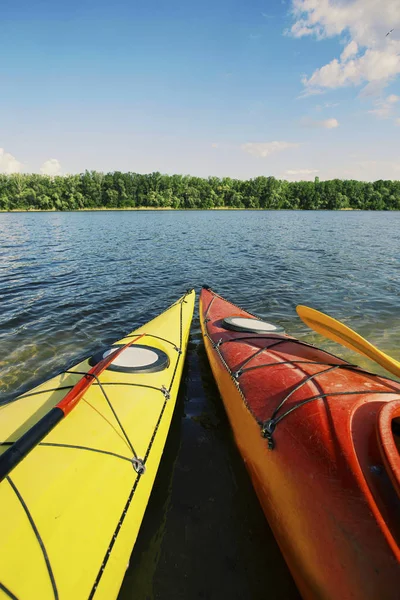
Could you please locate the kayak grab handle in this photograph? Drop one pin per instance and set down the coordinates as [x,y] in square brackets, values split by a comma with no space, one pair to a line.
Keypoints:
[390,450]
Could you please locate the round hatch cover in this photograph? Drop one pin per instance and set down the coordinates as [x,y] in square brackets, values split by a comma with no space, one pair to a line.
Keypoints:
[251,325]
[134,359]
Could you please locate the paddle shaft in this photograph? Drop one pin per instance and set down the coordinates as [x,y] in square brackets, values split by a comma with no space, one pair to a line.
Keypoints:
[37,432]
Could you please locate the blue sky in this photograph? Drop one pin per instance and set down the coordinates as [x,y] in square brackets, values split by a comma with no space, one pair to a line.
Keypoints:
[292,88]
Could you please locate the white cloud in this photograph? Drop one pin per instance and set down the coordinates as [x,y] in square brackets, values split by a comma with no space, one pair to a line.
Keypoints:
[366,20]
[373,67]
[370,57]
[51,167]
[325,124]
[397,122]
[8,163]
[264,149]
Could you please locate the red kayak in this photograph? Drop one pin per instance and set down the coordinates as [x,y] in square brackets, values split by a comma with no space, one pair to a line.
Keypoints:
[321,444]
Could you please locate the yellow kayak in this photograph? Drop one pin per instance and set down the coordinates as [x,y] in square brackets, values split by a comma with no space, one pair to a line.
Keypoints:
[74,484]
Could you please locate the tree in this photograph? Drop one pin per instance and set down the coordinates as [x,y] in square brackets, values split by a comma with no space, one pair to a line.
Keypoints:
[92,189]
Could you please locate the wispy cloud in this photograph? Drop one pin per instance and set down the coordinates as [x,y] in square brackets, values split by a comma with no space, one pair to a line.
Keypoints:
[310,92]
[265,149]
[51,167]
[320,107]
[385,107]
[301,171]
[8,163]
[324,124]
[301,174]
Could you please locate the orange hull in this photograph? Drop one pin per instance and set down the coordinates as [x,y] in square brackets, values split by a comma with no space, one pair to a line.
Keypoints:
[326,488]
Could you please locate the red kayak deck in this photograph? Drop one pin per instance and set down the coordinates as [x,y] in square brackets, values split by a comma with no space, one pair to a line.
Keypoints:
[321,455]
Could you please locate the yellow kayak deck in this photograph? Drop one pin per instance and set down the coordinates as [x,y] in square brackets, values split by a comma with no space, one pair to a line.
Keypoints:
[72,508]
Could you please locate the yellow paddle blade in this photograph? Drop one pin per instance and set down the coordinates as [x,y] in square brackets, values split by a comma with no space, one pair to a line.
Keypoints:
[338,332]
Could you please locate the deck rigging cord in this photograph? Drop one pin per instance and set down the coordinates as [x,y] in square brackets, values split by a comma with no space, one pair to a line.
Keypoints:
[268,426]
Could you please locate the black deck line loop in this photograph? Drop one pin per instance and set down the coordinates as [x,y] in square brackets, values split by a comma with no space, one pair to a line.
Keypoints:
[269,426]
[157,337]
[152,335]
[64,387]
[300,385]
[77,447]
[282,340]
[266,425]
[115,415]
[126,383]
[7,591]
[132,335]
[150,387]
[257,336]
[246,362]
[240,371]
[294,362]
[37,534]
[215,295]
[326,396]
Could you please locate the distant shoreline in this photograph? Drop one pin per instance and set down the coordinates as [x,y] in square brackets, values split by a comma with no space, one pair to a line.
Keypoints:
[169,208]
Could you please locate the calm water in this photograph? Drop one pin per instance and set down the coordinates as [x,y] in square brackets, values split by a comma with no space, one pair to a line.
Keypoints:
[73,282]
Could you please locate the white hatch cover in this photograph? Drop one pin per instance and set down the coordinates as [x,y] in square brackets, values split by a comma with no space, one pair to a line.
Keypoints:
[135,359]
[251,325]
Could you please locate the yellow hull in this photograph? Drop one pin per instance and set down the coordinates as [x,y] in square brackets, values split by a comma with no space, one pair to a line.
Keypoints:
[72,509]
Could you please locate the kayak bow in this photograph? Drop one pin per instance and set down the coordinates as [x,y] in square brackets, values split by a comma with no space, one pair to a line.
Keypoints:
[318,437]
[72,504]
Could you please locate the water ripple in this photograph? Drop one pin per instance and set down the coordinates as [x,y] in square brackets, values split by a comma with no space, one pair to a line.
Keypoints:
[73,282]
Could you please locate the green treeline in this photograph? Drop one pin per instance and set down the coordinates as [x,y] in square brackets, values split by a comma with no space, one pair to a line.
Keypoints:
[129,190]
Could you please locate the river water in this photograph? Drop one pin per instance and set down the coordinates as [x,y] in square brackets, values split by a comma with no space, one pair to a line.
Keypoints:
[73,282]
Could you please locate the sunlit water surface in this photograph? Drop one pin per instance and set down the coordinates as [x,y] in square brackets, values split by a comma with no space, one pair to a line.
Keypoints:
[73,282]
